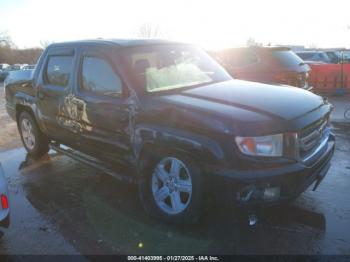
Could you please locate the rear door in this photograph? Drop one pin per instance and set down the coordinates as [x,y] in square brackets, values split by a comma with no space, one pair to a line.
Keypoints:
[101,101]
[54,92]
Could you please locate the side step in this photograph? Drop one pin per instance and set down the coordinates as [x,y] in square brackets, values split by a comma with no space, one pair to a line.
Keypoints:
[91,161]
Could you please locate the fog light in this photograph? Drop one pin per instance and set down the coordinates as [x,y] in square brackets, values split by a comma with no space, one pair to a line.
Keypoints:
[271,193]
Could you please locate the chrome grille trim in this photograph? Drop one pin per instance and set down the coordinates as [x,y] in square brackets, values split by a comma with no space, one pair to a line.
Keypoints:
[320,146]
[309,141]
[312,139]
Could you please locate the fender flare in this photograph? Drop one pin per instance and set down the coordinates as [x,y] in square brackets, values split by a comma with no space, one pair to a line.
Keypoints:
[197,146]
[28,103]
[24,100]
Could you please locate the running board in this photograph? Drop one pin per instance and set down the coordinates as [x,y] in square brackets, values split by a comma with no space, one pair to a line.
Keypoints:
[91,161]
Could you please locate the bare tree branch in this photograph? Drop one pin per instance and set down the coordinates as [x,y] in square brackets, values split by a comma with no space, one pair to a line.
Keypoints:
[150,31]
[5,39]
[252,42]
[10,54]
[45,43]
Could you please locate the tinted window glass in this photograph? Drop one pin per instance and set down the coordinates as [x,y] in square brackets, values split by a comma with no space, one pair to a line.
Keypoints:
[287,58]
[59,70]
[98,76]
[324,57]
[306,56]
[346,54]
[333,57]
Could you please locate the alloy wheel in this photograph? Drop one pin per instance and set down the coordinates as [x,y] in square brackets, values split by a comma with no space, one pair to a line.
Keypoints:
[171,185]
[28,134]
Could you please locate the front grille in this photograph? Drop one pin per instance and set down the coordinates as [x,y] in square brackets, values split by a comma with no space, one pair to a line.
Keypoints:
[311,137]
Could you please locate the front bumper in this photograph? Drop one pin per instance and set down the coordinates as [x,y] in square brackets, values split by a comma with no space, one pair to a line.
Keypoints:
[248,187]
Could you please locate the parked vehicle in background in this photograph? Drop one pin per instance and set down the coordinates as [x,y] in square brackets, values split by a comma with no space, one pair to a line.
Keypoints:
[335,56]
[166,116]
[16,67]
[28,67]
[4,73]
[265,64]
[4,201]
[314,56]
[346,54]
[3,66]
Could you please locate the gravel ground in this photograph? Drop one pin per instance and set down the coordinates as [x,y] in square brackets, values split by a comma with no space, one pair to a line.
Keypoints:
[9,136]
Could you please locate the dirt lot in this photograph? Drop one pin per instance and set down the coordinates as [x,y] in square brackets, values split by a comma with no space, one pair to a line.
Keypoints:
[9,136]
[59,206]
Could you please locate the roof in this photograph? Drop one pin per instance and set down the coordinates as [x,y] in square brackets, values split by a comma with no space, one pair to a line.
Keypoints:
[310,52]
[269,48]
[272,48]
[118,42]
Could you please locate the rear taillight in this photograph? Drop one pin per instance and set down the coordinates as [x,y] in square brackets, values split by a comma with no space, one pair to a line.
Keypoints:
[4,202]
[293,78]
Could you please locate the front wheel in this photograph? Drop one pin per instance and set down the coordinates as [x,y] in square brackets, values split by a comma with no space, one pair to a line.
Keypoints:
[34,141]
[171,189]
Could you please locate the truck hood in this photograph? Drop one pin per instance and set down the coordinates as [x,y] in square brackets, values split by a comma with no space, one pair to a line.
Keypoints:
[283,102]
[248,107]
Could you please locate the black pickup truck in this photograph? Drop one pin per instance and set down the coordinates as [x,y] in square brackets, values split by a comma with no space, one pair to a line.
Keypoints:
[166,116]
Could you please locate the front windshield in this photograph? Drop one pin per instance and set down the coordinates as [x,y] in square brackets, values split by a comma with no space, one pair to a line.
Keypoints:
[166,67]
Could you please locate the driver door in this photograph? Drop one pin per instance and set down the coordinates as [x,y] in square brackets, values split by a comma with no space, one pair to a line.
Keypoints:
[101,99]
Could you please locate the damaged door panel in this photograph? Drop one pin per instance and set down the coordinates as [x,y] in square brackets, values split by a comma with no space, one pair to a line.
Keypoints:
[101,101]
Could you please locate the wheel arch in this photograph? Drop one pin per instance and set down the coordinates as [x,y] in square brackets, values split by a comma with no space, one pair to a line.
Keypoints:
[24,108]
[41,144]
[21,108]
[153,143]
[151,151]
[24,102]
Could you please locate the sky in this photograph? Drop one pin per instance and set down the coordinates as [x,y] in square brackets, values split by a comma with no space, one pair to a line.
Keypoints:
[210,24]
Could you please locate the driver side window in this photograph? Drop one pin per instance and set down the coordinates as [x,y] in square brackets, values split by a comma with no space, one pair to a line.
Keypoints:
[98,76]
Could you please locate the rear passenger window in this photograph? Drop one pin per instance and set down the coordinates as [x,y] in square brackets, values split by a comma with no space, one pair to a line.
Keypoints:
[99,77]
[58,70]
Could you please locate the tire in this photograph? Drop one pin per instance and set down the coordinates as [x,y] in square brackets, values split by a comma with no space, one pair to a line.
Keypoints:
[34,141]
[179,196]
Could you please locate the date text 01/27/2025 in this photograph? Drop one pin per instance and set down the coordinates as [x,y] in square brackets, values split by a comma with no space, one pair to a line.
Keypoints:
[173,258]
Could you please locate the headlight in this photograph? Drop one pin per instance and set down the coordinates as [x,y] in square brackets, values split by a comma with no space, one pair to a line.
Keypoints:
[271,146]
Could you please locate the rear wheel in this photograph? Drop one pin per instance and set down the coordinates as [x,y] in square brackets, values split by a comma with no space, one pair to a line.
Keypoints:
[34,141]
[171,190]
